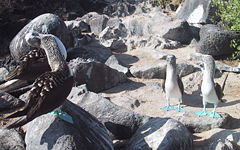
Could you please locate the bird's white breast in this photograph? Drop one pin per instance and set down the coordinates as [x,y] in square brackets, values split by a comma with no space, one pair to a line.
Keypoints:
[171,87]
[208,91]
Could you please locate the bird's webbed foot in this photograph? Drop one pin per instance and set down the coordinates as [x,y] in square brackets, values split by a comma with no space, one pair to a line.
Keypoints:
[214,115]
[179,109]
[168,107]
[62,115]
[201,113]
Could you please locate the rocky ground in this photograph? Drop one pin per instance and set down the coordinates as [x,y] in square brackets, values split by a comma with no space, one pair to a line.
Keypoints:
[145,96]
[118,60]
[150,102]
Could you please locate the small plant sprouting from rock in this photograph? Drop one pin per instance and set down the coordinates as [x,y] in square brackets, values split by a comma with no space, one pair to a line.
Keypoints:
[229,18]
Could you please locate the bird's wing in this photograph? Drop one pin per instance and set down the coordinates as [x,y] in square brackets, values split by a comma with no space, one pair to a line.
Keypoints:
[27,60]
[33,96]
[180,84]
[16,72]
[163,85]
[219,91]
[52,94]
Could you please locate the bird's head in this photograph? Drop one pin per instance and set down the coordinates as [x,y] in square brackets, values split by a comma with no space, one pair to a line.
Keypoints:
[171,59]
[33,39]
[209,64]
[208,60]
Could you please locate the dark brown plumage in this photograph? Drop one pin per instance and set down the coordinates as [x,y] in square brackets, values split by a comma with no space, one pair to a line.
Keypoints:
[219,89]
[49,92]
[50,89]
[31,66]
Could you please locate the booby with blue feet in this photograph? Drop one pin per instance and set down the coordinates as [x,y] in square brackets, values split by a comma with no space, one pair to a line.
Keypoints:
[211,92]
[172,85]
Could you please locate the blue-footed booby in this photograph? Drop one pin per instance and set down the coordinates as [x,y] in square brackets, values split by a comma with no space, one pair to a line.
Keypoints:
[211,92]
[173,85]
[51,88]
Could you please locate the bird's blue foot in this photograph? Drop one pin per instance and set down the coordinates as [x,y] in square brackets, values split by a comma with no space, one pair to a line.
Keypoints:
[214,115]
[62,115]
[179,109]
[169,107]
[201,113]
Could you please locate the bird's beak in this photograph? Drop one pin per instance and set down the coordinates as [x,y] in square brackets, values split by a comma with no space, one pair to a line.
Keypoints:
[201,65]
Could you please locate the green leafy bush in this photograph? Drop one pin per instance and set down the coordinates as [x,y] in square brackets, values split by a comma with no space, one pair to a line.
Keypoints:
[229,15]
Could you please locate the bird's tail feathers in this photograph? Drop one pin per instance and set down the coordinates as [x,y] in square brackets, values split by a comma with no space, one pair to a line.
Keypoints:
[224,82]
[223,100]
[16,114]
[14,73]
[22,121]
[180,75]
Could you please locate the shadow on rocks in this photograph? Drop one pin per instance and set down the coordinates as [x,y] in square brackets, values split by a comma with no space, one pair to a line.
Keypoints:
[224,104]
[126,60]
[232,123]
[113,128]
[127,86]
[193,100]
[52,140]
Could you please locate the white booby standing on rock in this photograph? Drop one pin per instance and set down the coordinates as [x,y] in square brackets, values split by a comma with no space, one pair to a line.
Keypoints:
[173,85]
[51,88]
[211,92]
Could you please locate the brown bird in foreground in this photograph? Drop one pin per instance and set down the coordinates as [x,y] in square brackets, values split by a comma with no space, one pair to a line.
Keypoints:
[31,66]
[50,89]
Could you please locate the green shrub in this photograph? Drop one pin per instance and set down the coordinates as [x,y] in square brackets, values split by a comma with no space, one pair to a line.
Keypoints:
[229,15]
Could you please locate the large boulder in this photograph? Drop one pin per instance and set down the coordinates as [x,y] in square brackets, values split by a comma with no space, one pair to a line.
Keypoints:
[121,123]
[162,134]
[96,21]
[195,11]
[158,70]
[11,140]
[46,23]
[97,76]
[50,132]
[149,71]
[92,50]
[215,41]
[179,31]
